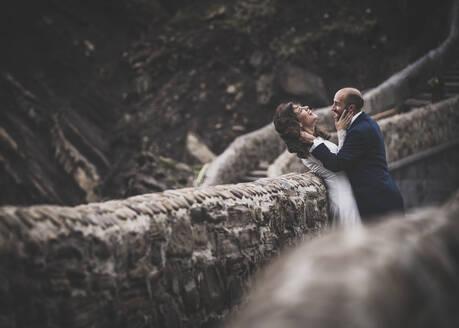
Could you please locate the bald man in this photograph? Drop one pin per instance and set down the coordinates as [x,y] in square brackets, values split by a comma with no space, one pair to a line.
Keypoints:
[362,157]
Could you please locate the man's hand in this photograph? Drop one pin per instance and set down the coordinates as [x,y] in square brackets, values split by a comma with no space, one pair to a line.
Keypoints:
[306,136]
[343,122]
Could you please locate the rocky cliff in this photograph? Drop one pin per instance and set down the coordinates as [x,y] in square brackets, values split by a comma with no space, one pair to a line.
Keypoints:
[98,97]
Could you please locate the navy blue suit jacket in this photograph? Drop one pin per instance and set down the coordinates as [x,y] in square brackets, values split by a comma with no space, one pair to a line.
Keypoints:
[363,158]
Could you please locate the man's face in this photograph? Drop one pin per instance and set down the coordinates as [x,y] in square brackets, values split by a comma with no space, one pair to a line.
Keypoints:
[338,104]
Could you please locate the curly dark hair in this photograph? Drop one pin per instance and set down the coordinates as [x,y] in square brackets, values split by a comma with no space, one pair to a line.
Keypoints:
[288,127]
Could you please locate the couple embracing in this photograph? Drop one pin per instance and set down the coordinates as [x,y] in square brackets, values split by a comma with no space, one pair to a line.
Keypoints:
[355,171]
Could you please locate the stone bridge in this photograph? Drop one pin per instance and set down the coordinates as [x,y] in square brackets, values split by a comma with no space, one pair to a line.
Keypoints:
[182,258]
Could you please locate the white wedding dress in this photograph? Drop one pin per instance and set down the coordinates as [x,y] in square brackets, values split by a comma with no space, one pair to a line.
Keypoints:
[343,207]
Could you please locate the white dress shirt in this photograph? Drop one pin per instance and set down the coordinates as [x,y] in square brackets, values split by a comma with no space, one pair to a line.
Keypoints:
[354,118]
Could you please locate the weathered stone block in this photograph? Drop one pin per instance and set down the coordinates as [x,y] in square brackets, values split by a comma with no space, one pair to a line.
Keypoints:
[200,236]
[239,215]
[180,243]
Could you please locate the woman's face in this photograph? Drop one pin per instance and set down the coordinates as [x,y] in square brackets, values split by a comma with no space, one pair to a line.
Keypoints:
[304,115]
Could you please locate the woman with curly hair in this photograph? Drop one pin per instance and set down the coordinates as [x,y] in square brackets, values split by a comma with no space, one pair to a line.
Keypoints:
[291,122]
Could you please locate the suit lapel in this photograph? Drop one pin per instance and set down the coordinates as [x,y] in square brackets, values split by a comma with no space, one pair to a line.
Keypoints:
[357,120]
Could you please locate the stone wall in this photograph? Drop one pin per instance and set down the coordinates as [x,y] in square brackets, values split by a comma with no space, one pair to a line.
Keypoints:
[420,129]
[179,258]
[429,181]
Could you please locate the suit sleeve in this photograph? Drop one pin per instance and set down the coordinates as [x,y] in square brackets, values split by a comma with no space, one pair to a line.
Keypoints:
[352,150]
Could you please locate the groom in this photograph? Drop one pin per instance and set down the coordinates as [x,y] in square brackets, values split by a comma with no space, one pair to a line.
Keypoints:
[362,157]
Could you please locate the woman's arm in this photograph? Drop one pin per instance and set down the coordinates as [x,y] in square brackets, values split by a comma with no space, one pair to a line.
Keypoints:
[341,138]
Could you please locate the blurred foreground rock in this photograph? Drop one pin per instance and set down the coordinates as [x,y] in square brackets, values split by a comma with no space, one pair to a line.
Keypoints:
[403,272]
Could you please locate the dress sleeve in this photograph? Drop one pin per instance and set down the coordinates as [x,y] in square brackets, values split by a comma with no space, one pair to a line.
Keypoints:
[306,163]
[341,138]
[314,165]
[317,141]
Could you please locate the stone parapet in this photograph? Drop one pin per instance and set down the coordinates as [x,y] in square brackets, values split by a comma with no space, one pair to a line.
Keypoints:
[420,129]
[429,181]
[180,258]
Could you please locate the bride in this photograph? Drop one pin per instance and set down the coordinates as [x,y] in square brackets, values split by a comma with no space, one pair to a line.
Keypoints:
[292,121]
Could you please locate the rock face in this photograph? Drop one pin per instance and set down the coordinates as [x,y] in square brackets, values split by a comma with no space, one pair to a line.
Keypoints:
[180,258]
[265,88]
[85,117]
[51,154]
[297,81]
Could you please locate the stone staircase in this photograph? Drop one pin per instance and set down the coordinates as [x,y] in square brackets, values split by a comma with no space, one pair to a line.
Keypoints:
[260,172]
[443,86]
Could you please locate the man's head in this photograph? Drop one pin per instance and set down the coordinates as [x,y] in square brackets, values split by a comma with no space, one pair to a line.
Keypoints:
[347,98]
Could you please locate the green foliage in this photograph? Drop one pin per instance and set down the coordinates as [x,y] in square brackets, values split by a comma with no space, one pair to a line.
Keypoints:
[342,24]
[351,28]
[168,162]
[185,18]
[245,14]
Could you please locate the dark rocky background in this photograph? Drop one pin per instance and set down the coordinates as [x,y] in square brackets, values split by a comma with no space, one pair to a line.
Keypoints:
[97,97]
